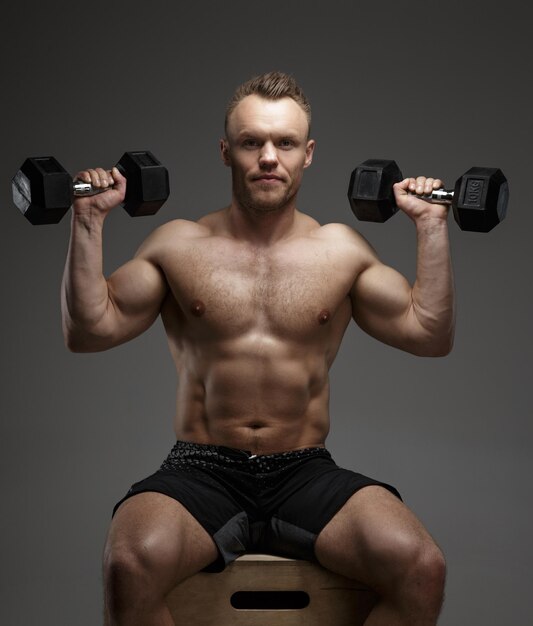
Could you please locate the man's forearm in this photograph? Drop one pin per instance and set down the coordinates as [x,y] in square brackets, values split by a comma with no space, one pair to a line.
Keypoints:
[84,292]
[433,291]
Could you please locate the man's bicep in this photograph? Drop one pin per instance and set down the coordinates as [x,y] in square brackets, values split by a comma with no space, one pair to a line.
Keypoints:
[137,289]
[136,292]
[382,305]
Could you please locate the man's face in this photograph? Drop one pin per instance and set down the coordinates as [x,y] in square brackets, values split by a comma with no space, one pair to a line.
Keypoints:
[267,149]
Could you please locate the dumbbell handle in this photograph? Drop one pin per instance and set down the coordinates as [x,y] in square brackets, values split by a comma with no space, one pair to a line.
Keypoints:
[81,189]
[437,196]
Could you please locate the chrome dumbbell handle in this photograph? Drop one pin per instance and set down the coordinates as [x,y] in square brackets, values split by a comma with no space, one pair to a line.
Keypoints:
[437,196]
[79,189]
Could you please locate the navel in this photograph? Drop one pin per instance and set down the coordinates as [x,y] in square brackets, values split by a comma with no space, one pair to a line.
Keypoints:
[197,308]
[323,317]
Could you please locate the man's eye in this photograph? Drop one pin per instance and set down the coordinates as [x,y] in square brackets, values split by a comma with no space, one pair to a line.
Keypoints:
[250,143]
[286,143]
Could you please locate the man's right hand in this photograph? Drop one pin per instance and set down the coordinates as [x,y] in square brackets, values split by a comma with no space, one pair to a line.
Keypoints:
[101,203]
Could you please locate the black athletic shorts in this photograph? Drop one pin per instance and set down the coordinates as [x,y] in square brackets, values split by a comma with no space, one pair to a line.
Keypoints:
[275,503]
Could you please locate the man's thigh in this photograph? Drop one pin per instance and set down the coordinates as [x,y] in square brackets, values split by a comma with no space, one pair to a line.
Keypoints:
[308,500]
[372,537]
[155,533]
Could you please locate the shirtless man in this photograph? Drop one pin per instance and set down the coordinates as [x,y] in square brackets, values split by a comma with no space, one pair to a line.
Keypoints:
[255,299]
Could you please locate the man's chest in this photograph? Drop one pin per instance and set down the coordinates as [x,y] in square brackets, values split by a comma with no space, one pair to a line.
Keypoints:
[293,289]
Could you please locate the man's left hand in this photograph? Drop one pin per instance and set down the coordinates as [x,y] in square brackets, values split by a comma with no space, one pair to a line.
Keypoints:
[417,208]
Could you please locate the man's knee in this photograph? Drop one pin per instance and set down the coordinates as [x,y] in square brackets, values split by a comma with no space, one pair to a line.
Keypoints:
[127,576]
[419,568]
[404,555]
[137,574]
[429,567]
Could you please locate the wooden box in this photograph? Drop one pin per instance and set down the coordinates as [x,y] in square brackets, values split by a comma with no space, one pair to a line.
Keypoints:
[263,590]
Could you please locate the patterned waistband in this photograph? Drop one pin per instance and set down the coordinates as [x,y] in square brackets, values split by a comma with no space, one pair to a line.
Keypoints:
[186,453]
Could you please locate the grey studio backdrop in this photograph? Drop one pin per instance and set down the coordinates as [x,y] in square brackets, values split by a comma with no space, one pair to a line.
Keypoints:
[439,86]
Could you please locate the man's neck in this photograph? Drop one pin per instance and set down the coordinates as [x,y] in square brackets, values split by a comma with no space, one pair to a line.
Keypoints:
[262,229]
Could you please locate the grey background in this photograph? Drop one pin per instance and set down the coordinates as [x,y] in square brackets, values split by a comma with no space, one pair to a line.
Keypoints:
[439,87]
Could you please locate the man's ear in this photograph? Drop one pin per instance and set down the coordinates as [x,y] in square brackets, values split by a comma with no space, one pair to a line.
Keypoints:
[224,152]
[309,150]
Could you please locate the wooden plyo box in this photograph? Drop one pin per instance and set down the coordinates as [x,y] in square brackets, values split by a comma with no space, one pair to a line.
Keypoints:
[271,591]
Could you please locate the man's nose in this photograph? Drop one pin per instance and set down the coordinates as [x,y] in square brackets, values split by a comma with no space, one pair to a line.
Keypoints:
[268,156]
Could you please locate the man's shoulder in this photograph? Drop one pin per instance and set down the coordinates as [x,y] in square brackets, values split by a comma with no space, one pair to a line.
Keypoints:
[347,245]
[181,228]
[168,234]
[342,234]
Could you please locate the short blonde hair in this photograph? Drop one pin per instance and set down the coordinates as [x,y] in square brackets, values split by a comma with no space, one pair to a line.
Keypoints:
[271,86]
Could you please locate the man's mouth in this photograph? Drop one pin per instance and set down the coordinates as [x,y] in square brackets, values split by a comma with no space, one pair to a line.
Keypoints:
[268,178]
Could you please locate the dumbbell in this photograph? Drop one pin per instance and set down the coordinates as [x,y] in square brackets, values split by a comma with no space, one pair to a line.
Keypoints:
[43,190]
[479,199]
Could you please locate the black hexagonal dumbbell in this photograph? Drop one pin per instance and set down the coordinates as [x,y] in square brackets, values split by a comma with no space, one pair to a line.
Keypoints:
[43,190]
[479,199]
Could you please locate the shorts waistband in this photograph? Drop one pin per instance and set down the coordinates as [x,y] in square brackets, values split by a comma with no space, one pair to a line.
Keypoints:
[224,450]
[190,453]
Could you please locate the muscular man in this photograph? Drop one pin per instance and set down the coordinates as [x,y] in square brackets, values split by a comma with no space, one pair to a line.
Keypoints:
[255,299]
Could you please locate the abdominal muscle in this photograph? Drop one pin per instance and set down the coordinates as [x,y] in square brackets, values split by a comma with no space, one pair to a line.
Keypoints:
[253,333]
[264,401]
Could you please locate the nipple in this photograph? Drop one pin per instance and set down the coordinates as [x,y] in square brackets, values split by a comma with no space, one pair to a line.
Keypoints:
[323,317]
[197,308]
